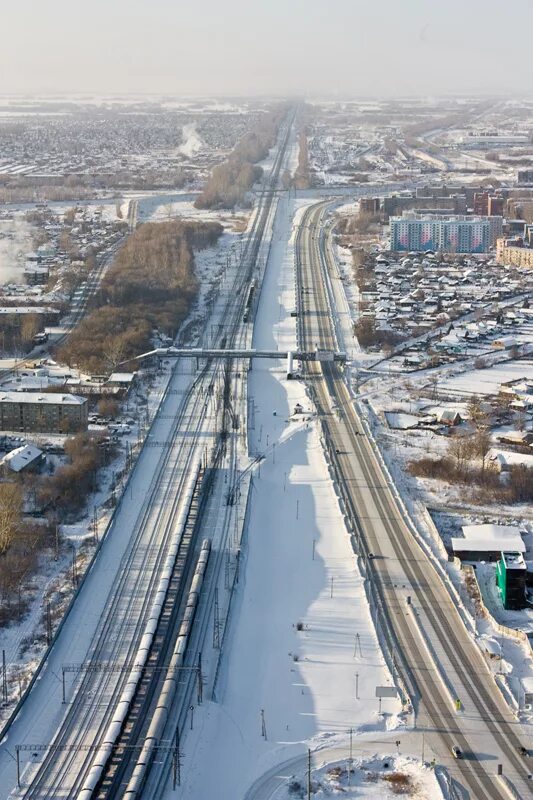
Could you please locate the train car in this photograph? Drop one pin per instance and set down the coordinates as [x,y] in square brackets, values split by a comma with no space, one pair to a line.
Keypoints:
[249,302]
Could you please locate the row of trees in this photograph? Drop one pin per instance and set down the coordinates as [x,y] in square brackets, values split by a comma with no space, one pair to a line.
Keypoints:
[230,181]
[151,284]
[302,175]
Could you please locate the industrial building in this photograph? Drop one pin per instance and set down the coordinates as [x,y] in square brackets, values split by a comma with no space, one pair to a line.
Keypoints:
[458,234]
[40,413]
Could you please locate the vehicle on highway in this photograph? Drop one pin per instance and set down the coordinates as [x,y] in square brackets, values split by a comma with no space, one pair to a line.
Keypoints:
[522,750]
[457,752]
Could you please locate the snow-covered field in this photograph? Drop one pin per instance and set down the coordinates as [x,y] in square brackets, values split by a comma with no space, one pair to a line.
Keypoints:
[302,662]
[487,381]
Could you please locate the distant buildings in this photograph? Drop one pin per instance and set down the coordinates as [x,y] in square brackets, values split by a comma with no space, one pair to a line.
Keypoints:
[487,205]
[446,200]
[483,139]
[525,177]
[458,234]
[39,413]
[369,205]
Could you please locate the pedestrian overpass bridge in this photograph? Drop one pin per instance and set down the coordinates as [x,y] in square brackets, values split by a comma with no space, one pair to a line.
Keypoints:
[202,353]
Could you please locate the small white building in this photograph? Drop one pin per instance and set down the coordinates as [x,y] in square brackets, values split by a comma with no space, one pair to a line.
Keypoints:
[487,542]
[27,458]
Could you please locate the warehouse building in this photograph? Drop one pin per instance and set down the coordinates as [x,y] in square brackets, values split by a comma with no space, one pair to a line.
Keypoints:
[35,412]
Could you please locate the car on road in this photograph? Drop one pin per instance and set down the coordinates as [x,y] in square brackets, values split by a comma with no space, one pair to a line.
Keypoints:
[457,752]
[522,750]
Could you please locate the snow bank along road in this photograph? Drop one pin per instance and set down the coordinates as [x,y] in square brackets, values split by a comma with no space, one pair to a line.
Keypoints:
[118,627]
[429,647]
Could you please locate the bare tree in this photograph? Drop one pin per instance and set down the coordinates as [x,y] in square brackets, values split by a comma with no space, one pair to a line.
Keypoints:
[10,513]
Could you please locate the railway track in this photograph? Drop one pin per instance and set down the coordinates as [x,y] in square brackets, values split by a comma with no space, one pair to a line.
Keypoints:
[396,566]
[90,715]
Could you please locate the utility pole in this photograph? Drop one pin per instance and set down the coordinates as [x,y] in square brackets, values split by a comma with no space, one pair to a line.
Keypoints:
[350,763]
[309,774]
[48,622]
[200,680]
[4,678]
[95,524]
[263,724]
[74,570]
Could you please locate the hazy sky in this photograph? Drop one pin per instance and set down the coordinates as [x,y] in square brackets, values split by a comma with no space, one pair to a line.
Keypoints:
[354,47]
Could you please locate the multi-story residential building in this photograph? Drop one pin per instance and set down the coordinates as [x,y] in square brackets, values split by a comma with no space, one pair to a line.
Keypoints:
[511,252]
[43,412]
[458,234]
[481,204]
[495,206]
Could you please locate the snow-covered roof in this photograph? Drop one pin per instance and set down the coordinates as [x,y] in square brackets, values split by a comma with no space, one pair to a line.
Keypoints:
[121,377]
[21,457]
[509,458]
[51,398]
[489,537]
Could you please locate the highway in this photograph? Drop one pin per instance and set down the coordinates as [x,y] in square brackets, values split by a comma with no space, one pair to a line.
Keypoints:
[98,715]
[425,640]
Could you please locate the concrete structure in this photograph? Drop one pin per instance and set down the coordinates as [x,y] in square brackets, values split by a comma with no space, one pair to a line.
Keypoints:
[511,579]
[36,412]
[511,253]
[487,542]
[451,234]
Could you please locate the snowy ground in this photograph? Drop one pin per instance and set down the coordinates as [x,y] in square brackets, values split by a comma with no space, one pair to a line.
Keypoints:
[299,571]
[377,777]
